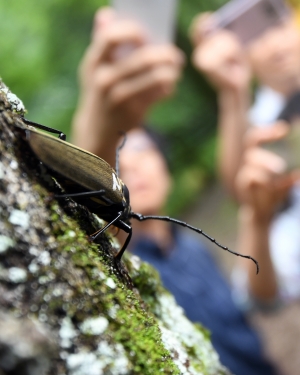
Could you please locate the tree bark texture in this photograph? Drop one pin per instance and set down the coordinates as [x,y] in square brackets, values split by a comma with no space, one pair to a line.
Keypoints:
[65,308]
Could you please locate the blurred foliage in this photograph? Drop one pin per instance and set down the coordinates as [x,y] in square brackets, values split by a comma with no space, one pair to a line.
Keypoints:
[41,44]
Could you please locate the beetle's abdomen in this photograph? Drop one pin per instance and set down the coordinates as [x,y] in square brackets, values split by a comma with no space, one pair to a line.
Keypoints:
[76,164]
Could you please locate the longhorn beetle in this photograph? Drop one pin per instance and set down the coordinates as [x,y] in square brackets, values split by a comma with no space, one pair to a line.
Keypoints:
[94,183]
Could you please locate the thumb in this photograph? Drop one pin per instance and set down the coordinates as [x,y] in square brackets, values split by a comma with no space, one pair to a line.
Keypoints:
[103,17]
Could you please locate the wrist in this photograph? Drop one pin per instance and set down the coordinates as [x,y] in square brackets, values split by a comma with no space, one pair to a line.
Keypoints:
[234,97]
[251,217]
[90,132]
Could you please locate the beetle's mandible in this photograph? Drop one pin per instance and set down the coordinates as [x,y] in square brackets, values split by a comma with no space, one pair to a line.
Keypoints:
[95,184]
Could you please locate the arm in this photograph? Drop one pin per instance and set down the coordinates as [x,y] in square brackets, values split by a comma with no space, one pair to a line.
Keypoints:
[221,58]
[262,185]
[232,125]
[116,92]
[253,239]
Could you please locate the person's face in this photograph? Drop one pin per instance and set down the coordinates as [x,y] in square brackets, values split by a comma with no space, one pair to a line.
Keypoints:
[144,171]
[275,56]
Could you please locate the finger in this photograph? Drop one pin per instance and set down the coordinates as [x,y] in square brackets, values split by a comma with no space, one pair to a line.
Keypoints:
[159,81]
[147,57]
[220,56]
[286,182]
[295,175]
[103,17]
[119,33]
[144,59]
[256,135]
[249,182]
[251,177]
[255,187]
[200,27]
[266,160]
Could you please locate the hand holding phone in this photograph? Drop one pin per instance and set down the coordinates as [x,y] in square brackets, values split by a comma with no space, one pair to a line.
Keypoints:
[156,16]
[248,19]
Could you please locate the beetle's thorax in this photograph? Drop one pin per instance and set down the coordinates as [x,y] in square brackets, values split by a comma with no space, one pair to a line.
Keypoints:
[126,202]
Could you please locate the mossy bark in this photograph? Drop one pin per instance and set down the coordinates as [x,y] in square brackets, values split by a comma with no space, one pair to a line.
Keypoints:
[65,308]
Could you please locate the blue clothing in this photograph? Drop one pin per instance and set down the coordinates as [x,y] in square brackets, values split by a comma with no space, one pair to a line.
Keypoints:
[191,275]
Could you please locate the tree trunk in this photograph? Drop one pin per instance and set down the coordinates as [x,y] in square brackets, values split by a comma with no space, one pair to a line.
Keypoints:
[65,308]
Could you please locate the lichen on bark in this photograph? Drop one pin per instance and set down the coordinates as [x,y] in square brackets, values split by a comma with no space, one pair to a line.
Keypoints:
[78,313]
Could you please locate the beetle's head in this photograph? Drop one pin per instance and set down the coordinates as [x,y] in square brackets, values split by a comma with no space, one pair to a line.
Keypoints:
[125,192]
[126,199]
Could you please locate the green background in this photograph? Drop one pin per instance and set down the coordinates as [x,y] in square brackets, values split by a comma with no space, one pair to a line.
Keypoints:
[41,44]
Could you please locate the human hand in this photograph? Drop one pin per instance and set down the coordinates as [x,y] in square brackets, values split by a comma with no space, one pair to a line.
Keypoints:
[262,182]
[219,55]
[120,90]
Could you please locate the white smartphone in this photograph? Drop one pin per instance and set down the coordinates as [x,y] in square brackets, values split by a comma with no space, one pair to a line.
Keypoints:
[248,19]
[158,17]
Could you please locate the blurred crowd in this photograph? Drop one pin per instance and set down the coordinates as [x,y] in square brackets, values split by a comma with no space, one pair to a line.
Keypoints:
[116,93]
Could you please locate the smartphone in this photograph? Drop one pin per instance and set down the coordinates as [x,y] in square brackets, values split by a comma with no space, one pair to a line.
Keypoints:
[291,110]
[158,17]
[248,19]
[288,148]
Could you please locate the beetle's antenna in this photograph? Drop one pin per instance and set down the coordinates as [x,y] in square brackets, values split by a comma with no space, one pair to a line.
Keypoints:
[119,148]
[140,217]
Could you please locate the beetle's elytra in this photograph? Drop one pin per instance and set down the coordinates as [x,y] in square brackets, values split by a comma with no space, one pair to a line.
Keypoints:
[94,183]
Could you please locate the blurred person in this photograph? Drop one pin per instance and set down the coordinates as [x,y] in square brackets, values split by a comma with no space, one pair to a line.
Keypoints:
[116,95]
[274,60]
[262,186]
[185,265]
[222,59]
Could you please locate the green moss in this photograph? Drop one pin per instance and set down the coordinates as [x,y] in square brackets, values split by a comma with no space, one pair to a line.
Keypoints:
[74,280]
[132,326]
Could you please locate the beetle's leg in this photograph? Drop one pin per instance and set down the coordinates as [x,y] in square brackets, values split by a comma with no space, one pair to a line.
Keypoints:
[119,255]
[96,234]
[61,135]
[127,228]
[140,217]
[87,194]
